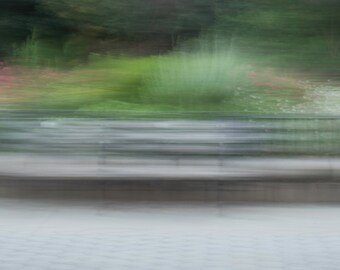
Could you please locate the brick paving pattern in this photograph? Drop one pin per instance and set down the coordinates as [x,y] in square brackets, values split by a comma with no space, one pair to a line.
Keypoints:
[88,235]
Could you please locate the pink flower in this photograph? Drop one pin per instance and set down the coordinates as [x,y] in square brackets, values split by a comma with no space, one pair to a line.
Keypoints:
[6,79]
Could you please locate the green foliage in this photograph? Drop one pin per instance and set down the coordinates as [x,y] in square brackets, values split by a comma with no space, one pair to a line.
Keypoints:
[34,52]
[196,79]
[290,31]
[204,75]
[102,79]
[39,52]
[178,82]
[134,19]
[299,33]
[15,21]
[200,72]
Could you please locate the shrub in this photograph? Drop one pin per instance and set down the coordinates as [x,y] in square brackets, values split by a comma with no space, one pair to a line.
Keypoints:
[195,79]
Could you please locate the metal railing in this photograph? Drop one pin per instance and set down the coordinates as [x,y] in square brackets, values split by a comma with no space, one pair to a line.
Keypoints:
[213,137]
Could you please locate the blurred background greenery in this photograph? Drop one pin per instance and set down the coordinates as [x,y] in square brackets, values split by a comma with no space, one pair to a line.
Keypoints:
[170,55]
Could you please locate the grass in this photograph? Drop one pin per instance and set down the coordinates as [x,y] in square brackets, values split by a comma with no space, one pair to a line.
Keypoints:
[102,80]
[198,81]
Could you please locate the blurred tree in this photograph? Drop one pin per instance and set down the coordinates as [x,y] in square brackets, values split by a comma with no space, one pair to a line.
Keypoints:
[20,18]
[134,19]
[278,25]
[16,18]
[303,26]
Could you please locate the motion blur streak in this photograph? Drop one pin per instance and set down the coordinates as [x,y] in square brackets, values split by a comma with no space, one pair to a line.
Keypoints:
[169,134]
[231,147]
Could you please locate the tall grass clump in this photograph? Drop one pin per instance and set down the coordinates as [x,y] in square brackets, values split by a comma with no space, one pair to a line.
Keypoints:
[34,52]
[39,52]
[196,79]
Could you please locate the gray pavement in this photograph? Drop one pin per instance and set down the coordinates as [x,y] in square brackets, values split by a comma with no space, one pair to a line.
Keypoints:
[99,234]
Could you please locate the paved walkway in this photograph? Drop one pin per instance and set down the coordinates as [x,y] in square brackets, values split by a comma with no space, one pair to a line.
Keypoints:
[88,235]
